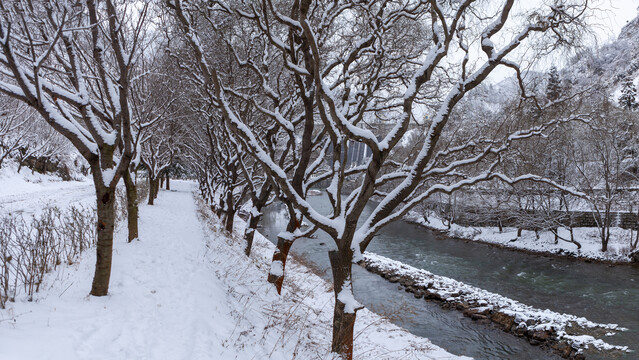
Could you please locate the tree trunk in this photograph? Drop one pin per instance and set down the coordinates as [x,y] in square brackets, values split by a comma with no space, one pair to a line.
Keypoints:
[605,232]
[345,311]
[161,181]
[131,205]
[156,188]
[278,264]
[519,232]
[151,190]
[230,212]
[220,208]
[168,186]
[604,243]
[229,218]
[105,226]
[249,233]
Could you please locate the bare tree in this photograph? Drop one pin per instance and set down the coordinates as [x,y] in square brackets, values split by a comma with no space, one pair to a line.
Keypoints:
[73,63]
[159,148]
[16,125]
[389,62]
[43,142]
[599,166]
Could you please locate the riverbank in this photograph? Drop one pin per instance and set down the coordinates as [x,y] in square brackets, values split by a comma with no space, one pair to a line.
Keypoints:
[541,243]
[567,335]
[601,293]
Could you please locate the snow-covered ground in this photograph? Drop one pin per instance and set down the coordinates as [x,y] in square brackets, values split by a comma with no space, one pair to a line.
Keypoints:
[186,291]
[28,192]
[618,246]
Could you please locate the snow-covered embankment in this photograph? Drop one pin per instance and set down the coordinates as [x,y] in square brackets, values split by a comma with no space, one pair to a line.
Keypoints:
[566,334]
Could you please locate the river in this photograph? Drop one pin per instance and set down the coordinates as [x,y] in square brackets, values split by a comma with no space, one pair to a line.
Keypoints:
[599,292]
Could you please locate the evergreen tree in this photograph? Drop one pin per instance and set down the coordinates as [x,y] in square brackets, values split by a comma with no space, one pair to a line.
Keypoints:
[553,88]
[628,98]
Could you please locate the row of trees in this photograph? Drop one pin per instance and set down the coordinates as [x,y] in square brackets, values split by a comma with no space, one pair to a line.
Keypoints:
[265,99]
[284,89]
[596,158]
[25,138]
[87,69]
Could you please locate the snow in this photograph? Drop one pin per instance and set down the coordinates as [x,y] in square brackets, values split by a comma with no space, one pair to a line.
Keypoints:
[255,212]
[346,297]
[486,42]
[277,268]
[108,175]
[588,237]
[29,192]
[187,291]
[525,316]
[314,192]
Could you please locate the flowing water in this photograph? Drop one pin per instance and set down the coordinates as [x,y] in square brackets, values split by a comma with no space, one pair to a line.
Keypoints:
[599,292]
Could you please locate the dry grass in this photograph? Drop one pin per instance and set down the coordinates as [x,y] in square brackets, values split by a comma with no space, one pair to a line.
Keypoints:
[32,246]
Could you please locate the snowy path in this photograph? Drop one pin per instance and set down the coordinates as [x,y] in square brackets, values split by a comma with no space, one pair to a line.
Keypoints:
[160,292]
[185,292]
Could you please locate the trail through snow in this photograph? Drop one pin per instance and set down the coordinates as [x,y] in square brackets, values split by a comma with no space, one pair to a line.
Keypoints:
[182,292]
[161,303]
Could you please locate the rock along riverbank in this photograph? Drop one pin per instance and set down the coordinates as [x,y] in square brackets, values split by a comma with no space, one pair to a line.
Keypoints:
[569,336]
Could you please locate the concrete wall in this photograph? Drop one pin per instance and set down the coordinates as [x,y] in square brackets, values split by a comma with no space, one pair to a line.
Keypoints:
[530,220]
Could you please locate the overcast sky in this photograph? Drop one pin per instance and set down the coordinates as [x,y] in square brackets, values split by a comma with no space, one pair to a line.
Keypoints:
[615,15]
[609,18]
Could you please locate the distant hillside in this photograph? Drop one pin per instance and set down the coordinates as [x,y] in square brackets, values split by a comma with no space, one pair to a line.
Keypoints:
[609,64]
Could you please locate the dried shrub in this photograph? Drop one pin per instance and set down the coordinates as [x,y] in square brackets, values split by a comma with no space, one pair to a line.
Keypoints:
[33,245]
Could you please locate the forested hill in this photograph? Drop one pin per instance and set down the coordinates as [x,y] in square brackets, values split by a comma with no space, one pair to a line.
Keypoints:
[610,63]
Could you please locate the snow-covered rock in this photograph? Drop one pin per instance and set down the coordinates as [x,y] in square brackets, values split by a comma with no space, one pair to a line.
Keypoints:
[523,320]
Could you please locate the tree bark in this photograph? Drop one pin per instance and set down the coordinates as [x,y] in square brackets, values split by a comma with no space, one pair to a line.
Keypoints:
[156,188]
[279,257]
[281,253]
[152,190]
[220,208]
[605,232]
[249,233]
[106,223]
[572,238]
[131,205]
[345,311]
[229,218]
[161,181]
[168,186]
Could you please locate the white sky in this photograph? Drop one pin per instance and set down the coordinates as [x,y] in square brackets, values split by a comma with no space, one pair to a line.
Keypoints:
[615,14]
[609,17]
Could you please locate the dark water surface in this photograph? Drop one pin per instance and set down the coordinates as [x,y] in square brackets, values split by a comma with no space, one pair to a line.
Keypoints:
[599,292]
